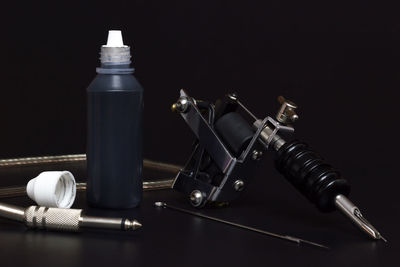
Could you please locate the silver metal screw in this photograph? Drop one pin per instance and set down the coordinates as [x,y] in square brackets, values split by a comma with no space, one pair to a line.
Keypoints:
[181,105]
[233,96]
[238,185]
[256,155]
[196,198]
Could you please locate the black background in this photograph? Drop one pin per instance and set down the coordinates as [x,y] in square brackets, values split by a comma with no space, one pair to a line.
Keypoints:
[338,61]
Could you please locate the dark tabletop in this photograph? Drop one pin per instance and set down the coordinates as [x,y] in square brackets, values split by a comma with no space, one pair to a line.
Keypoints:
[338,61]
[170,238]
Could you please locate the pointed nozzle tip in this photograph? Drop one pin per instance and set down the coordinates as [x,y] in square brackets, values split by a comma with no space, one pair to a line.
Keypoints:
[136,225]
[115,39]
[132,225]
[159,204]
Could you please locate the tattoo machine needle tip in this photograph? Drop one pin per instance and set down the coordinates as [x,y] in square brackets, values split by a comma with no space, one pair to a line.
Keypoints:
[354,214]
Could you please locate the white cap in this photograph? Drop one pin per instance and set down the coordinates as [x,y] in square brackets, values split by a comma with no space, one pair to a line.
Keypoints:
[114,39]
[53,189]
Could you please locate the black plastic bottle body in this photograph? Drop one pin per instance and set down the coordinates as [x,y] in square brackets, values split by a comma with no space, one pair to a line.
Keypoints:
[114,141]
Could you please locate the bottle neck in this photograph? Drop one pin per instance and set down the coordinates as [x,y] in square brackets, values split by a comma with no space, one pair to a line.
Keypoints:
[115,68]
[115,60]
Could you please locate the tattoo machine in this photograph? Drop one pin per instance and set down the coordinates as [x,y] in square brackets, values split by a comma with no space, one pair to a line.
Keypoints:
[229,148]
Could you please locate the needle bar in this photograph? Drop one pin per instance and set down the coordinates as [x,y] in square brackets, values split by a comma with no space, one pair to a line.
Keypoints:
[296,240]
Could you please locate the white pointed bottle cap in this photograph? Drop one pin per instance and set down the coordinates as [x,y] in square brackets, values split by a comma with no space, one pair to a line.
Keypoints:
[53,189]
[114,39]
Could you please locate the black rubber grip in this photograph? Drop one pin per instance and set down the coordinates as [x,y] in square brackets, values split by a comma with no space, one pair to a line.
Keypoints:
[311,175]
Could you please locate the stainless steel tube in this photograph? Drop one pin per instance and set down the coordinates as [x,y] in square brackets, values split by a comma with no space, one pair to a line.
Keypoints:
[12,212]
[354,214]
[276,141]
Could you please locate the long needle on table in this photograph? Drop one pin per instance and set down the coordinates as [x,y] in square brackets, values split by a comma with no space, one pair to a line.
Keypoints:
[299,241]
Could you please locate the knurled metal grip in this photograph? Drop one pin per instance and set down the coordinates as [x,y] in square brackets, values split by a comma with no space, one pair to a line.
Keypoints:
[53,218]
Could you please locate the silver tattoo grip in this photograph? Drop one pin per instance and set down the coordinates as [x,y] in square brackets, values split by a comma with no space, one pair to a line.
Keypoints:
[53,218]
[58,219]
